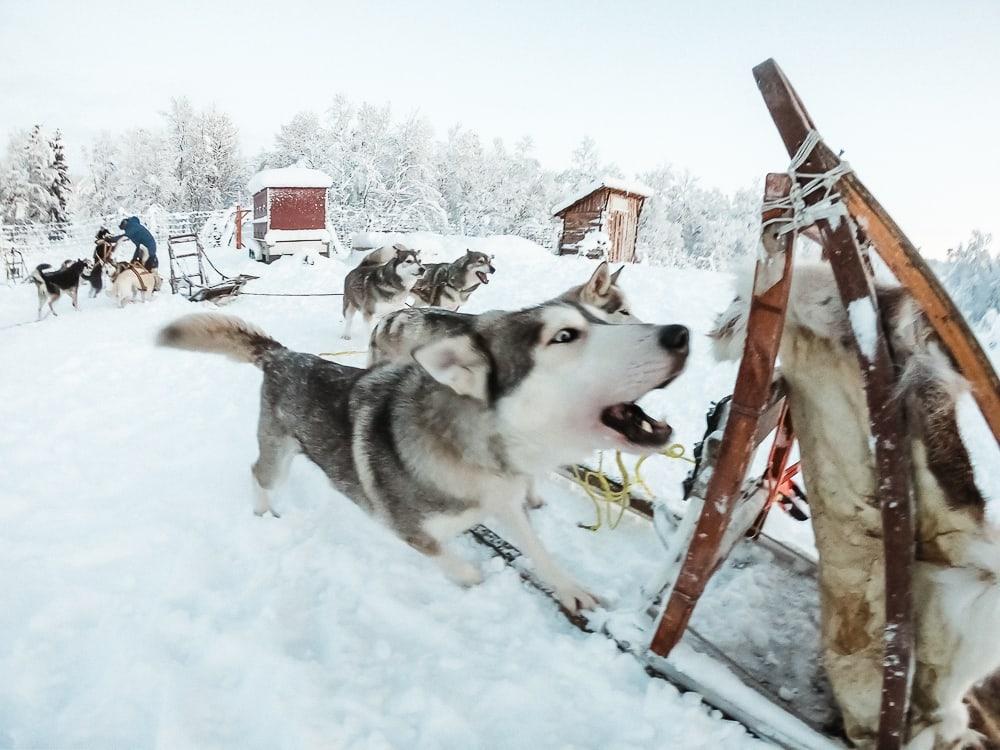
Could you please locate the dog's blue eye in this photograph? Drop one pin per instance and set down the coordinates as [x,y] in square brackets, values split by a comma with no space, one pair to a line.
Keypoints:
[565,335]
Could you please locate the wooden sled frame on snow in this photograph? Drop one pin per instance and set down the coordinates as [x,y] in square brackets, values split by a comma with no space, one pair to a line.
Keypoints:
[756,403]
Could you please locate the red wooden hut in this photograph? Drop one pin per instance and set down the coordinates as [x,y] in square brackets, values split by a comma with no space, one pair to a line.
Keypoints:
[602,220]
[289,212]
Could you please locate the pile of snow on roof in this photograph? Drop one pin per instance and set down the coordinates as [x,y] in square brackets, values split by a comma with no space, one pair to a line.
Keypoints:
[289,177]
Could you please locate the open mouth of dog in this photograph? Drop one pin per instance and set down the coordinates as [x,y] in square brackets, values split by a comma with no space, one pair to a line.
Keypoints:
[629,420]
[484,278]
[635,425]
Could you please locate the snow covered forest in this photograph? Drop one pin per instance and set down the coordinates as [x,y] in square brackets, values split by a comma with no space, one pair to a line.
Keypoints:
[389,173]
[396,173]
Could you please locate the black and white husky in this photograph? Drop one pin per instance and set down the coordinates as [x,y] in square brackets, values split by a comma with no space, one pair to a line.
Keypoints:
[437,445]
[376,289]
[52,284]
[449,285]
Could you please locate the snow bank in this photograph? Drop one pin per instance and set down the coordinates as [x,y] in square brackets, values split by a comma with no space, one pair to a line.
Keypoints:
[289,177]
[146,606]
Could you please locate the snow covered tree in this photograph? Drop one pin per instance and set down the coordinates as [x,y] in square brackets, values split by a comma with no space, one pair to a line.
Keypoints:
[14,180]
[302,140]
[60,187]
[685,224]
[147,172]
[972,276]
[41,204]
[100,191]
[586,167]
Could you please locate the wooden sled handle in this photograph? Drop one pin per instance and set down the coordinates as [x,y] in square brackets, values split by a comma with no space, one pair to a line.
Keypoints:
[891,444]
[892,245]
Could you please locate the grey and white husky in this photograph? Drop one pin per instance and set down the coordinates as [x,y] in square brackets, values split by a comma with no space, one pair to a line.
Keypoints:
[440,444]
[396,336]
[603,296]
[377,289]
[449,285]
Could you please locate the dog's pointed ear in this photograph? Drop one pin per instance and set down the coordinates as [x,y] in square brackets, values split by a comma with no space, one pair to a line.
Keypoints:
[457,363]
[616,274]
[600,281]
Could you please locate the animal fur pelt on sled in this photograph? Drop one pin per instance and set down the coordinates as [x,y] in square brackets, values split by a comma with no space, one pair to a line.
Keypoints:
[956,589]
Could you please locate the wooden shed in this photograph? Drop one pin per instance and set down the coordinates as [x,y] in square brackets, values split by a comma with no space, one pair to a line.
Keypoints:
[602,220]
[289,212]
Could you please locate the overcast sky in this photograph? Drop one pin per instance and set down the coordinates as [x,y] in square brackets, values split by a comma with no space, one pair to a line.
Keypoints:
[910,89]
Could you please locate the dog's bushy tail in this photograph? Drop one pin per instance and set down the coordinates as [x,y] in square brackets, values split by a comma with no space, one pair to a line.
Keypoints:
[220,334]
[36,275]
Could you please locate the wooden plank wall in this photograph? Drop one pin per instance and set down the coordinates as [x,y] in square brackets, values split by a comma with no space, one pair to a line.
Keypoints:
[615,212]
[581,218]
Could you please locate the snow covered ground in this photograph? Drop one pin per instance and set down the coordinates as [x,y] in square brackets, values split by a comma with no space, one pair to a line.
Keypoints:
[146,606]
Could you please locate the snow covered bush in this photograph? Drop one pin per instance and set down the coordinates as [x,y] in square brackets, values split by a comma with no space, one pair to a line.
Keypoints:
[972,276]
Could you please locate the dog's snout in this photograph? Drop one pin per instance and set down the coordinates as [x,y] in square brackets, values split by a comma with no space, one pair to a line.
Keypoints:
[674,337]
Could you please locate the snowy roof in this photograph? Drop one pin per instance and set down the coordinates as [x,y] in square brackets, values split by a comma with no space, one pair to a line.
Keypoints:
[613,183]
[289,177]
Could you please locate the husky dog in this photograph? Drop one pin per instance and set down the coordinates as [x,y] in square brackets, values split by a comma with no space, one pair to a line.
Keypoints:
[436,446]
[130,280]
[104,250]
[51,284]
[603,296]
[449,285]
[378,289]
[95,277]
[399,333]
[381,256]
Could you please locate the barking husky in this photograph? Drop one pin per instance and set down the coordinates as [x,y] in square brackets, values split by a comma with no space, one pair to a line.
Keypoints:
[449,285]
[377,289]
[956,584]
[51,284]
[438,445]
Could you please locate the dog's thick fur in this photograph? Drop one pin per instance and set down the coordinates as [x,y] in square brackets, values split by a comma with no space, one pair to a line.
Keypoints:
[375,290]
[52,284]
[956,588]
[398,334]
[602,294]
[436,446]
[131,280]
[449,285]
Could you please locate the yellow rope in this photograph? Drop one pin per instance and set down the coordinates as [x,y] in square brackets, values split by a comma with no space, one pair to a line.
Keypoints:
[603,491]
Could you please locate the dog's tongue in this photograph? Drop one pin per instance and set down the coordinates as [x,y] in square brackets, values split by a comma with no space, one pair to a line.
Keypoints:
[635,425]
[484,278]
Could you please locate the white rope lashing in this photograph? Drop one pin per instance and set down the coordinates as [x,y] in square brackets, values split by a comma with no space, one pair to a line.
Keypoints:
[804,184]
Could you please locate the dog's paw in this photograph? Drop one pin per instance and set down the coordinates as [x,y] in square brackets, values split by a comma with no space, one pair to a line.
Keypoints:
[461,571]
[575,598]
[467,575]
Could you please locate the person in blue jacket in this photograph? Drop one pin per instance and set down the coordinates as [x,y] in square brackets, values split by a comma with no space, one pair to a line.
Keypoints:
[142,238]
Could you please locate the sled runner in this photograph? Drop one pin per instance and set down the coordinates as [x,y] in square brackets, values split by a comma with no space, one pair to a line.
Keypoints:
[821,197]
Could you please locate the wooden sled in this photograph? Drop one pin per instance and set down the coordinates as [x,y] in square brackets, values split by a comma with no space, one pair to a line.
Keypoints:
[724,509]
